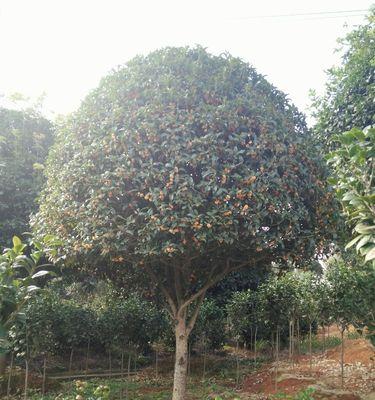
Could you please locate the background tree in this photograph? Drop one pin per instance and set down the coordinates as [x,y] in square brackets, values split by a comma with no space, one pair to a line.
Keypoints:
[186,166]
[25,138]
[352,297]
[348,101]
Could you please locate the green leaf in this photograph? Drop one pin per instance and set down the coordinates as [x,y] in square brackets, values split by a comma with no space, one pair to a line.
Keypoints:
[363,228]
[370,255]
[16,241]
[40,273]
[352,242]
[363,241]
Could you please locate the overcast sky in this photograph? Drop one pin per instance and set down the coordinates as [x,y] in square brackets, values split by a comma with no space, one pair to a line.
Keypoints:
[64,47]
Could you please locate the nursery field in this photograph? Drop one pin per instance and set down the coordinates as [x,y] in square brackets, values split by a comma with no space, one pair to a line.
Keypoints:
[232,374]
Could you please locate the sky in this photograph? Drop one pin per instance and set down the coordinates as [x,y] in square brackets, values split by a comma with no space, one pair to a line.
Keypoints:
[62,48]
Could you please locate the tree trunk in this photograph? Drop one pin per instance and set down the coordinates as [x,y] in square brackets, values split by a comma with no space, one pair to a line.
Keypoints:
[180,367]
[204,358]
[122,375]
[251,339]
[26,378]
[156,363]
[237,365]
[290,340]
[3,363]
[324,339]
[277,357]
[87,357]
[310,346]
[342,357]
[128,380]
[298,341]
[110,361]
[10,375]
[71,359]
[44,375]
[255,346]
[292,351]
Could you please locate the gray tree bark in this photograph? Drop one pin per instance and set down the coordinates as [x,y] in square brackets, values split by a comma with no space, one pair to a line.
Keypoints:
[180,368]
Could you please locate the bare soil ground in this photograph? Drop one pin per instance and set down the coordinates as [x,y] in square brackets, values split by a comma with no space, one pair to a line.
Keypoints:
[324,376]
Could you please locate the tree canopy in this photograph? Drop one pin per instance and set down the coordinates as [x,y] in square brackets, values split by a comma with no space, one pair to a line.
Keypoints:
[179,153]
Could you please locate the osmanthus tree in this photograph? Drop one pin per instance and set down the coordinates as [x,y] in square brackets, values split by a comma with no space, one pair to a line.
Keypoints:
[186,166]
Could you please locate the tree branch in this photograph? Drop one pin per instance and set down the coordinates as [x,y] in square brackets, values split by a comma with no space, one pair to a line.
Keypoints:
[169,298]
[193,318]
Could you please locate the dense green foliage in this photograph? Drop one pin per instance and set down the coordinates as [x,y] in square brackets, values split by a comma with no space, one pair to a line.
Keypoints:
[354,177]
[18,274]
[25,138]
[348,101]
[70,325]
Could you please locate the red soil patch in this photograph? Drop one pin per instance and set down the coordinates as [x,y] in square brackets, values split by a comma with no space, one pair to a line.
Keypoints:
[264,382]
[357,350]
[359,359]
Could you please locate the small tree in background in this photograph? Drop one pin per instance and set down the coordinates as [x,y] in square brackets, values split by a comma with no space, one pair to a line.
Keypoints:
[25,138]
[348,101]
[311,292]
[186,166]
[246,311]
[351,296]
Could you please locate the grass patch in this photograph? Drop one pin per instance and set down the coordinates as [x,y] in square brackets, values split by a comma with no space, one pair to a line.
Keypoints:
[142,389]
